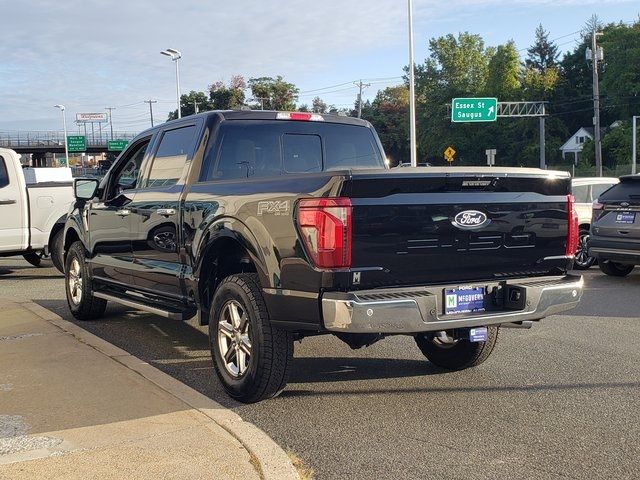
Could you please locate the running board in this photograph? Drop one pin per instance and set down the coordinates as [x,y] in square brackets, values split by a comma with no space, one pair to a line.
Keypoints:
[140,306]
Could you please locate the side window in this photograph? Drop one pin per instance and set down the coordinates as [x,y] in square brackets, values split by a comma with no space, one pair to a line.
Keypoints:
[128,173]
[171,157]
[302,153]
[4,175]
[599,189]
[581,193]
[248,151]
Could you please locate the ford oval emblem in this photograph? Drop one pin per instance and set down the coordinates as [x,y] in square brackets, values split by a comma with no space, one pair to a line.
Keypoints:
[470,220]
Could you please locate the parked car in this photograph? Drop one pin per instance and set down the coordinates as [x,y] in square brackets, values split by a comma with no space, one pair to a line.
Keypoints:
[615,228]
[275,226]
[34,204]
[586,191]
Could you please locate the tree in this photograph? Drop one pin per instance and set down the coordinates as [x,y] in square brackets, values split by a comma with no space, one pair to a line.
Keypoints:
[227,97]
[543,54]
[188,104]
[389,114]
[319,106]
[504,74]
[273,93]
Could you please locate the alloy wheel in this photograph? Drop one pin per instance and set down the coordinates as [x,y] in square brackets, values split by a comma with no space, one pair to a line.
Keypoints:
[234,341]
[75,282]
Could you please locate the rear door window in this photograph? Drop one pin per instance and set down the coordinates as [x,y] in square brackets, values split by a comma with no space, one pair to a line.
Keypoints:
[171,157]
[581,193]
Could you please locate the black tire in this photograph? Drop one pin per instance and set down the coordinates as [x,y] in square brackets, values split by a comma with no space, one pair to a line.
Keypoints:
[33,258]
[582,260]
[270,349]
[459,355]
[56,248]
[85,306]
[615,269]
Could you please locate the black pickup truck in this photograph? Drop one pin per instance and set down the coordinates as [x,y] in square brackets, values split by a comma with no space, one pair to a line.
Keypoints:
[274,226]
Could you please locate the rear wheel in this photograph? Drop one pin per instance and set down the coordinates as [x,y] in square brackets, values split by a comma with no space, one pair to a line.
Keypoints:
[582,260]
[615,269]
[456,354]
[57,250]
[79,286]
[34,258]
[252,358]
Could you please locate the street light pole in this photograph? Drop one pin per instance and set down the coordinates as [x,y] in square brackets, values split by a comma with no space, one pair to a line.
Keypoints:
[634,154]
[175,57]
[64,126]
[412,91]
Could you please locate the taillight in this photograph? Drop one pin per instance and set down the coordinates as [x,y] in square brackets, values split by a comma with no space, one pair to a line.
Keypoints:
[597,210]
[325,227]
[573,230]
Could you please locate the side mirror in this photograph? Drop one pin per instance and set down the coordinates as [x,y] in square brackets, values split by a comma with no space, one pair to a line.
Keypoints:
[85,188]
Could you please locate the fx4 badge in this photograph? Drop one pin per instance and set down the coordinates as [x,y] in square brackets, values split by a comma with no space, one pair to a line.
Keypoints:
[274,208]
[470,220]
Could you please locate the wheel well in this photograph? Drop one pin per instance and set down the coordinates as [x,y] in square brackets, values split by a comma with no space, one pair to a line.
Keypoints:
[54,230]
[70,238]
[584,226]
[225,257]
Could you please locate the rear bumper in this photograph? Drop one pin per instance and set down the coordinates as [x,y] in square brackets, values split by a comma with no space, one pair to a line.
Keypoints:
[407,311]
[622,251]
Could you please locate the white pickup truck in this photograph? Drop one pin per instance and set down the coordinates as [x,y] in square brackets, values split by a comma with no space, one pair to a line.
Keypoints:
[33,207]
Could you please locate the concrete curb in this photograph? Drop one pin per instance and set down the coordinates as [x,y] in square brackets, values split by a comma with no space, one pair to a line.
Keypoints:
[274,462]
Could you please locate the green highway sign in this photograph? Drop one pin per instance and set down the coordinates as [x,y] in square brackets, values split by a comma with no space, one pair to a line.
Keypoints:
[117,145]
[474,110]
[76,143]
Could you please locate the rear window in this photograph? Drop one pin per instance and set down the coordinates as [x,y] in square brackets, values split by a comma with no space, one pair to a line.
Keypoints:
[250,149]
[623,192]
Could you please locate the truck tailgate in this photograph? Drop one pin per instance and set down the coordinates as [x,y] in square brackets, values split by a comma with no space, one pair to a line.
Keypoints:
[509,225]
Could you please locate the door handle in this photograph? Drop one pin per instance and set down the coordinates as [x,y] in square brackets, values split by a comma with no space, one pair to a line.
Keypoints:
[7,202]
[167,212]
[123,213]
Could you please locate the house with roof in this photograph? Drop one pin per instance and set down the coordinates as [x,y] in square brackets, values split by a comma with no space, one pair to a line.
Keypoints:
[576,142]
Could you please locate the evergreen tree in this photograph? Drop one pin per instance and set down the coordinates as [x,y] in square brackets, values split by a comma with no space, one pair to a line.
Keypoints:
[543,54]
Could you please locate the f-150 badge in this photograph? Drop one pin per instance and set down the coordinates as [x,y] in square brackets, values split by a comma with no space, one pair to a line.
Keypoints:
[273,208]
[470,220]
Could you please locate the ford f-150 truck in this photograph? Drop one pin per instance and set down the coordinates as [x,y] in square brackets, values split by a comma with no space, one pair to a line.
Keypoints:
[274,226]
[33,211]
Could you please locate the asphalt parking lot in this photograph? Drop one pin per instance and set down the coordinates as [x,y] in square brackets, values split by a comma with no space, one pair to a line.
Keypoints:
[561,400]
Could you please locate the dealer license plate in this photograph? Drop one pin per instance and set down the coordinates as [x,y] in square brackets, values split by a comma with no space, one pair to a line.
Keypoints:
[626,218]
[464,300]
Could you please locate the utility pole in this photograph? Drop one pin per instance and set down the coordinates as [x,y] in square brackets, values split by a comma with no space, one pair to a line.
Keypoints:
[412,91]
[110,109]
[594,55]
[360,86]
[543,143]
[151,108]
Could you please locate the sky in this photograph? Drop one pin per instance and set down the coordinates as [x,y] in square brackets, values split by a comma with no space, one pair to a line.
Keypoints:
[92,54]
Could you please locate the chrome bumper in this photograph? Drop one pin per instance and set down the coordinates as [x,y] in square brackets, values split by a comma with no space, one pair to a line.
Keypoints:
[413,310]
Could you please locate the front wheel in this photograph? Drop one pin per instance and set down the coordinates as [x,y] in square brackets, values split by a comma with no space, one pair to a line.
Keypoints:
[79,286]
[582,259]
[251,357]
[615,269]
[456,354]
